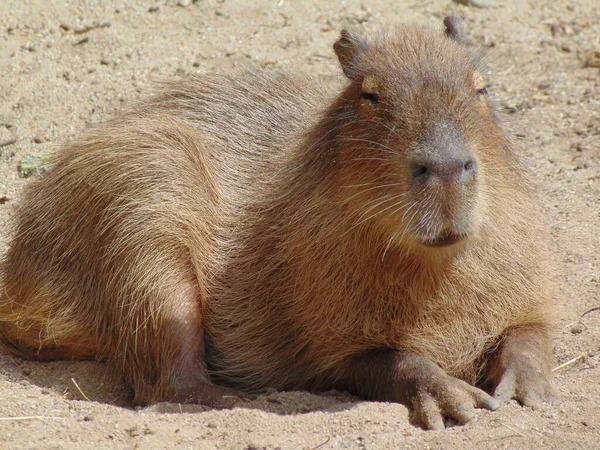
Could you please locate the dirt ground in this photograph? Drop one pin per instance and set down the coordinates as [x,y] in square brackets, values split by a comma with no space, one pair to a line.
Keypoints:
[67,64]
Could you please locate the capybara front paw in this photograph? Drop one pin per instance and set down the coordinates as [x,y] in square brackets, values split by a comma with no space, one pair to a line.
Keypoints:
[432,394]
[529,386]
[445,396]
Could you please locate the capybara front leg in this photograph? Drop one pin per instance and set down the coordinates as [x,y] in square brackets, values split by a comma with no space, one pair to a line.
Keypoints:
[415,381]
[520,367]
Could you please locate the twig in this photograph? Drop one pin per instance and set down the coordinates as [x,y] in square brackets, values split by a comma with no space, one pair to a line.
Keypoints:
[569,362]
[596,308]
[79,389]
[87,28]
[83,40]
[321,444]
[579,321]
[15,419]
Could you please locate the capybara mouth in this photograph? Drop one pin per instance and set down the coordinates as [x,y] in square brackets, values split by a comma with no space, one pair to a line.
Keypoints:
[444,240]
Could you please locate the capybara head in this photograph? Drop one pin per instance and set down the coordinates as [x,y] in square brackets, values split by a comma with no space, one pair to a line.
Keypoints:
[420,131]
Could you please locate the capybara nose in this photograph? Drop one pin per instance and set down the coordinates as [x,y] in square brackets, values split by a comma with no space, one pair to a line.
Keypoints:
[453,168]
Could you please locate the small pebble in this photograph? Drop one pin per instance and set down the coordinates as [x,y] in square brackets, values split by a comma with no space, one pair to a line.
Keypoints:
[37,140]
[7,142]
[254,446]
[577,329]
[184,3]
[82,41]
[26,371]
[592,59]
[565,48]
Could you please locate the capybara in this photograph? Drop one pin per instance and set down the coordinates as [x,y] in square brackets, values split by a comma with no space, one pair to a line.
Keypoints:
[268,229]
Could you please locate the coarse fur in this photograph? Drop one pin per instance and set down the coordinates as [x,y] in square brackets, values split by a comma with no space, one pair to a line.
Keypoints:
[262,229]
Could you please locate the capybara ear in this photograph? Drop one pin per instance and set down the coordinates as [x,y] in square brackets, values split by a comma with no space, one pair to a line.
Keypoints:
[347,48]
[455,29]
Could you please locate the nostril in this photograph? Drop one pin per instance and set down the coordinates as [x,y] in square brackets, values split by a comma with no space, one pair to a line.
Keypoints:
[418,170]
[469,166]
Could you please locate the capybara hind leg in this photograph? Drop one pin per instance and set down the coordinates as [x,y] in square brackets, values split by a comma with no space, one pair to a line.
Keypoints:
[520,368]
[27,343]
[163,356]
[415,381]
[38,323]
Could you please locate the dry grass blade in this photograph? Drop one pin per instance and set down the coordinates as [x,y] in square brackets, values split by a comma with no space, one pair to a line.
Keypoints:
[17,419]
[512,429]
[569,362]
[79,389]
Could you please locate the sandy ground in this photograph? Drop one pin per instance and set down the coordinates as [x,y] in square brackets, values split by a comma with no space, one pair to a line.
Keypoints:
[67,64]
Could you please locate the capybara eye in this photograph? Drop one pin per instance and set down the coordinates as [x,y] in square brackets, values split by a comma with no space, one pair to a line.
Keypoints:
[482,91]
[371,96]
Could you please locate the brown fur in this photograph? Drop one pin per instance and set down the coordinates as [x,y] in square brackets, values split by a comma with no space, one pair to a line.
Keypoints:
[259,230]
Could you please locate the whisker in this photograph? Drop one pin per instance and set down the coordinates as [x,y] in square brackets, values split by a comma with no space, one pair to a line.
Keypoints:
[387,247]
[381,186]
[369,159]
[385,200]
[380,145]
[375,214]
[362,184]
[408,225]
[370,202]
